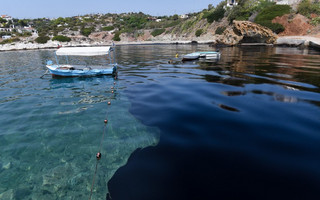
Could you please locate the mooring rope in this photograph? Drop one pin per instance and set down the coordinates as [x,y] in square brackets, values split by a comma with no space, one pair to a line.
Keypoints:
[98,156]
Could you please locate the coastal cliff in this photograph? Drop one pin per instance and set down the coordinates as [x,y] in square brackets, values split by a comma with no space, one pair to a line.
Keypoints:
[263,23]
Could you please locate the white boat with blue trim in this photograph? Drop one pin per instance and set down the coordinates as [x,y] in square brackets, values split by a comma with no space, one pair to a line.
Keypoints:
[68,70]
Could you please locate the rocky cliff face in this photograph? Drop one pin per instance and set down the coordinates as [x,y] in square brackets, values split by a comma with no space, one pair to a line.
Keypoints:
[247,32]
[238,32]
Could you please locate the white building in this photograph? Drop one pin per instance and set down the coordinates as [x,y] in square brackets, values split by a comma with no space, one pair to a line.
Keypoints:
[6,37]
[287,2]
[231,3]
[6,17]
[184,16]
[6,29]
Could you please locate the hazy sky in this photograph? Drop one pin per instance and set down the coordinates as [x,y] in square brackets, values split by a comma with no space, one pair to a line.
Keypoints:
[66,8]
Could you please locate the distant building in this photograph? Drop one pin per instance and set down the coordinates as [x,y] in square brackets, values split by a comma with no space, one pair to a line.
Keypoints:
[29,29]
[287,2]
[231,3]
[6,37]
[6,17]
[152,18]
[6,29]
[185,16]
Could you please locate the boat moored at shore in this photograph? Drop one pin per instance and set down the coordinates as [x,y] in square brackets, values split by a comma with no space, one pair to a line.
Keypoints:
[68,70]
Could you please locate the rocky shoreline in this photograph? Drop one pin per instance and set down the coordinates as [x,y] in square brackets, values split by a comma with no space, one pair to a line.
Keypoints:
[289,41]
[239,33]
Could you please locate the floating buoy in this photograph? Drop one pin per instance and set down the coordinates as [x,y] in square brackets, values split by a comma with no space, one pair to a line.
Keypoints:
[98,155]
[109,103]
[105,121]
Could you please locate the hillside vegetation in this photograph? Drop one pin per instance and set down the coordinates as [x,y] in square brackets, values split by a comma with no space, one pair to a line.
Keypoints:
[210,21]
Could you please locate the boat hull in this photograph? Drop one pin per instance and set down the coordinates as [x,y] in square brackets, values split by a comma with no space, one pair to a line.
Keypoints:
[205,55]
[60,71]
[191,56]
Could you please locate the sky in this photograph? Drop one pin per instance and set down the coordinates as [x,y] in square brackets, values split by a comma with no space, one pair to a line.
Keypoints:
[29,9]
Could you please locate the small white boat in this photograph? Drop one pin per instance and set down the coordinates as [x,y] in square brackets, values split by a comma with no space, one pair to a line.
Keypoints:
[67,70]
[191,56]
[210,55]
[205,54]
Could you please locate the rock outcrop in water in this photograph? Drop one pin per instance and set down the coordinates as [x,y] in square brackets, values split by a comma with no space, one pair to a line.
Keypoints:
[247,32]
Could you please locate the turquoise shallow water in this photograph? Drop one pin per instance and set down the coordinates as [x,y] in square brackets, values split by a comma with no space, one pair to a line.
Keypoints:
[245,126]
[51,129]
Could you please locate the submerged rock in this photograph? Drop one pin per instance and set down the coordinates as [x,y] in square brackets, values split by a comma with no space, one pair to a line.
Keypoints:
[9,194]
[7,166]
[247,32]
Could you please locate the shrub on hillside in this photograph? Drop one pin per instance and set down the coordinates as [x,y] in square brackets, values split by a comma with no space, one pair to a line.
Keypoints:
[216,15]
[24,34]
[86,31]
[42,39]
[306,8]
[220,30]
[74,28]
[116,36]
[4,33]
[247,8]
[61,38]
[239,13]
[11,40]
[271,12]
[199,32]
[265,17]
[157,32]
[108,28]
[315,21]
[275,27]
[171,24]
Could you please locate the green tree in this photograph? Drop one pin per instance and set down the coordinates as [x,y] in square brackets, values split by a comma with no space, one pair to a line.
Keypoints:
[3,20]
[199,32]
[22,22]
[220,30]
[86,31]
[306,8]
[157,32]
[116,36]
[246,8]
[42,39]
[61,38]
[108,28]
[266,16]
[175,17]
[217,14]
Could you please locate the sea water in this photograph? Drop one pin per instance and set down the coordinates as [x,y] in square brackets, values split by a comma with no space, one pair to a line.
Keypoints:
[246,125]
